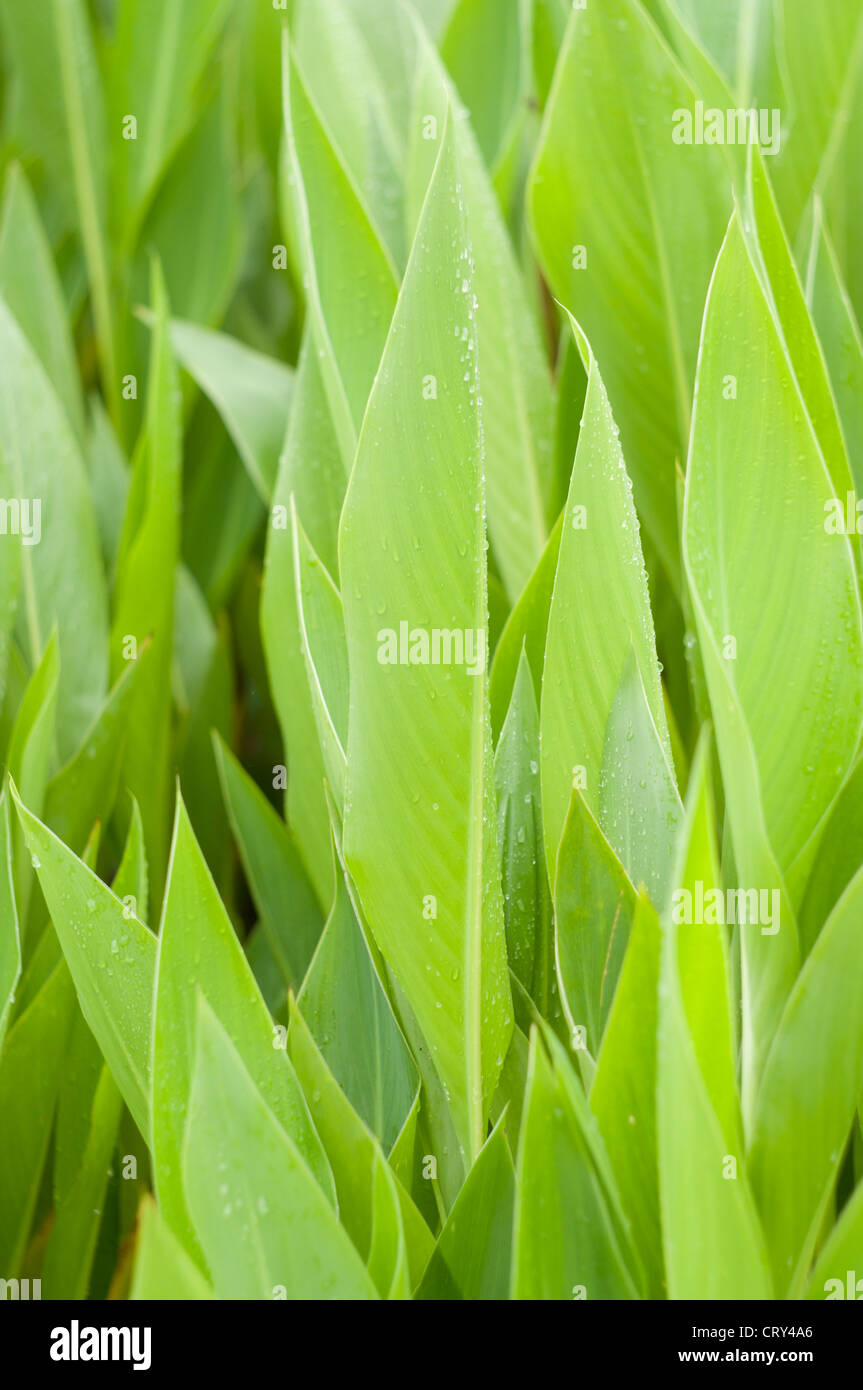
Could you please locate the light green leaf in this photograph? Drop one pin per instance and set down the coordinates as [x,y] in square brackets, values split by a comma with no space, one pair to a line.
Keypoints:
[525,630]
[31,1069]
[842,1254]
[266,1227]
[415,555]
[569,1238]
[112,957]
[348,277]
[347,1011]
[639,804]
[61,574]
[311,470]
[594,904]
[600,610]
[648,244]
[197,943]
[840,335]
[473,1255]
[283,896]
[144,594]
[10,939]
[36,299]
[623,1093]
[86,788]
[514,383]
[251,392]
[388,1261]
[159,52]
[163,1270]
[808,1092]
[713,1244]
[783,762]
[351,1149]
[820,56]
[526,893]
[59,114]
[322,633]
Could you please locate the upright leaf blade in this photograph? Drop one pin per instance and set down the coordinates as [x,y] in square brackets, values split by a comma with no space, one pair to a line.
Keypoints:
[412,552]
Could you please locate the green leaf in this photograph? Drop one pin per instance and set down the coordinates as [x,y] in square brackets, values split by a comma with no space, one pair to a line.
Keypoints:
[163,1270]
[525,630]
[202,187]
[72,1244]
[594,905]
[623,1093]
[473,1255]
[639,804]
[491,89]
[251,392]
[36,299]
[266,1227]
[311,469]
[821,59]
[284,898]
[840,335]
[59,114]
[322,633]
[158,56]
[10,940]
[569,1238]
[702,949]
[31,1069]
[782,762]
[410,556]
[86,788]
[840,854]
[357,60]
[351,1149]
[197,943]
[111,955]
[347,1011]
[514,383]
[713,1244]
[600,611]
[649,243]
[144,595]
[348,277]
[773,261]
[526,894]
[388,1261]
[842,1254]
[808,1092]
[61,574]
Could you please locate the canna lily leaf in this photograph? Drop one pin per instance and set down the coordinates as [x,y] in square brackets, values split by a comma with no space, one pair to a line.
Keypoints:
[406,561]
[473,1255]
[619,84]
[163,1270]
[801,758]
[284,898]
[266,1227]
[251,392]
[99,935]
[569,1238]
[812,1078]
[599,610]
[196,934]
